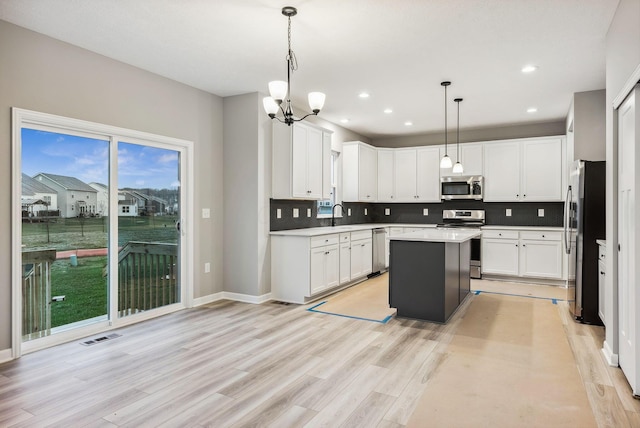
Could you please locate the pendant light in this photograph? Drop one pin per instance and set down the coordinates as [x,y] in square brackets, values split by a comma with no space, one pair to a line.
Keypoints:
[445,162]
[280,91]
[457,168]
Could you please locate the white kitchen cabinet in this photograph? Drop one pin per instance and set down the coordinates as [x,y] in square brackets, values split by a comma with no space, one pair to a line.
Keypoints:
[541,170]
[299,158]
[327,187]
[324,268]
[345,258]
[386,180]
[523,170]
[428,174]
[502,172]
[405,173]
[500,253]
[359,172]
[361,254]
[541,254]
[527,253]
[602,303]
[472,158]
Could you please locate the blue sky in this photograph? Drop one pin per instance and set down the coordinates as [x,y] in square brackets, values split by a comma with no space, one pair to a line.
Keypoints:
[87,159]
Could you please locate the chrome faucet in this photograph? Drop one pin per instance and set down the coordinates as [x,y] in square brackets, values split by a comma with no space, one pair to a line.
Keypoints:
[333,214]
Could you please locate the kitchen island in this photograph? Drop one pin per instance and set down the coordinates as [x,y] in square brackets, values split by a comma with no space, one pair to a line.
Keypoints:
[429,272]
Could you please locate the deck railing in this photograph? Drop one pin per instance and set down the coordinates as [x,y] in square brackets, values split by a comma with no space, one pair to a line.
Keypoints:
[36,293]
[147,276]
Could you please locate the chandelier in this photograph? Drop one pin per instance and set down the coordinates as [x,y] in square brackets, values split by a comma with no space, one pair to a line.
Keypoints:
[280,91]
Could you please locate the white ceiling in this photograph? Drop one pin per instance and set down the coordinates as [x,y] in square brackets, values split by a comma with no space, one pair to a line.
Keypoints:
[397,50]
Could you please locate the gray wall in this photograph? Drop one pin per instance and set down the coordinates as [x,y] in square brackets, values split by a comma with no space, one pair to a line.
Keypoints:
[476,135]
[42,74]
[623,57]
[589,125]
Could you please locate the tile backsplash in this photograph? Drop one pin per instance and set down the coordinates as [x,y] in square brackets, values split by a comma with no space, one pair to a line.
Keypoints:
[522,213]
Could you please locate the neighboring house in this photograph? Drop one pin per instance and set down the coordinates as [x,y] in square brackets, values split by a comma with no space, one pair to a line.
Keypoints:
[147,204]
[75,197]
[102,201]
[37,198]
[127,208]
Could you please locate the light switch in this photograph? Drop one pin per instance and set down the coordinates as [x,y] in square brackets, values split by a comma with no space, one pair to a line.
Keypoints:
[207,267]
[508,212]
[348,211]
[278,213]
[425,211]
[540,212]
[387,211]
[365,211]
[206,213]
[308,212]
[296,213]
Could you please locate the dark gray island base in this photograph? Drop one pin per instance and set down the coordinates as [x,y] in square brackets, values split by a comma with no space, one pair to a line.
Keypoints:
[428,279]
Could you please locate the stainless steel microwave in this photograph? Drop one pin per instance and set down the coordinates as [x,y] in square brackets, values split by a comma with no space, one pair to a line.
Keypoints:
[461,187]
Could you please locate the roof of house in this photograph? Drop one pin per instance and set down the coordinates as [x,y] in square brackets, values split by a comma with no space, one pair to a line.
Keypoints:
[68,183]
[31,186]
[99,186]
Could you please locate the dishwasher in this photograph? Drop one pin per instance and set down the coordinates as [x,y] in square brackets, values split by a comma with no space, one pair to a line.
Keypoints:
[378,255]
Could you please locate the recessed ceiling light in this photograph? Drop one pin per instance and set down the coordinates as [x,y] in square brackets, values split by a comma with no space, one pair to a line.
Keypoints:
[529,68]
[532,110]
[388,110]
[408,123]
[363,95]
[344,120]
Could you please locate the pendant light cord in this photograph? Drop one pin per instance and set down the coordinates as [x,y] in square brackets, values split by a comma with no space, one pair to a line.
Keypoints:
[446,152]
[291,57]
[458,134]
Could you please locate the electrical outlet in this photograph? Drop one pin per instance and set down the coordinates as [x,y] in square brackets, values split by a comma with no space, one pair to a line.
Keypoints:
[308,212]
[508,212]
[425,211]
[349,211]
[540,212]
[387,211]
[296,213]
[207,267]
[206,213]
[365,211]
[278,213]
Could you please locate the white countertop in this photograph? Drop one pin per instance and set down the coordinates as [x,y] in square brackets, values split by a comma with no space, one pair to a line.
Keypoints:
[497,227]
[326,230]
[601,242]
[439,235]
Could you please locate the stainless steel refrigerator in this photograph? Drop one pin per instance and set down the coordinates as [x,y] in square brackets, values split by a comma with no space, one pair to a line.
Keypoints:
[584,223]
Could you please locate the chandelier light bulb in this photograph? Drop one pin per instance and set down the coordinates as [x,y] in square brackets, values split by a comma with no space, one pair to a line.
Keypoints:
[270,106]
[316,101]
[457,168]
[278,90]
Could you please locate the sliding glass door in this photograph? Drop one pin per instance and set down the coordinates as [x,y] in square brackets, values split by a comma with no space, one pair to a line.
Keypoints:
[100,241]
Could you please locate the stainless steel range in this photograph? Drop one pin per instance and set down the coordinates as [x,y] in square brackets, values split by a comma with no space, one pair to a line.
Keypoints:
[467,219]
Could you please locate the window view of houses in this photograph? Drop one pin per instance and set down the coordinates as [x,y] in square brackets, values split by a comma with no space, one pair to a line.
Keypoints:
[65,204]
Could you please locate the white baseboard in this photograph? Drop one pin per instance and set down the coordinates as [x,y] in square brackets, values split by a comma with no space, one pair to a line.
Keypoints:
[5,355]
[609,356]
[238,297]
[199,301]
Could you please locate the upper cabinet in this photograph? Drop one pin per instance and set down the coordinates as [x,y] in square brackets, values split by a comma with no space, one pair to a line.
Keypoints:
[301,153]
[523,170]
[428,174]
[386,171]
[405,174]
[471,158]
[359,172]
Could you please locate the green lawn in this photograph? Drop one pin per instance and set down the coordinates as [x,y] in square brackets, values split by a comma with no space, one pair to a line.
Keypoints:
[85,286]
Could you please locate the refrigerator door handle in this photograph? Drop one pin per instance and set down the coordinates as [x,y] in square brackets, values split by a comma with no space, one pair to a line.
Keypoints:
[567,213]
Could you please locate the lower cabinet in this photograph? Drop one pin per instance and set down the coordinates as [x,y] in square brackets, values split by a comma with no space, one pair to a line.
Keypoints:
[602,251]
[361,254]
[530,254]
[325,268]
[305,268]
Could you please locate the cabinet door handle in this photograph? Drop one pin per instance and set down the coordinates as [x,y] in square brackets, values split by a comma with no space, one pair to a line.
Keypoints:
[543,236]
[362,245]
[499,234]
[601,273]
[524,245]
[524,196]
[516,245]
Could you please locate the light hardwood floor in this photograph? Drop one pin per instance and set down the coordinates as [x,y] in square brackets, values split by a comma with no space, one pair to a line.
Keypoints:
[236,364]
